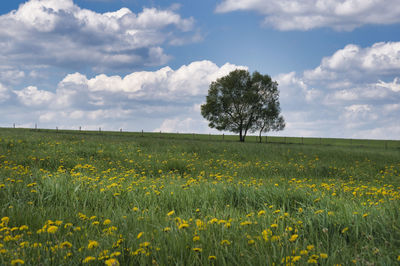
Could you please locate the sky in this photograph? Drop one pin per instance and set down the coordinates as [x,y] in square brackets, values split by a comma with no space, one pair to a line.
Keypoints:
[147,64]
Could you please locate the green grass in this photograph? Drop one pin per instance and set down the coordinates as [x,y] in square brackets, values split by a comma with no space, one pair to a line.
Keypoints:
[326,201]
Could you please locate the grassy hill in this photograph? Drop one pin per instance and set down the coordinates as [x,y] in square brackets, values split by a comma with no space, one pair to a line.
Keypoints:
[72,197]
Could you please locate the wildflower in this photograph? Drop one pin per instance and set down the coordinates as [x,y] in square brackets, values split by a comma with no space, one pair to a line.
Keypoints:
[310,247]
[225,242]
[214,257]
[112,262]
[323,255]
[115,254]
[365,215]
[88,259]
[251,242]
[139,235]
[303,252]
[135,209]
[66,244]
[196,238]
[52,229]
[17,261]
[167,229]
[300,210]
[107,221]
[171,213]
[344,230]
[5,220]
[93,244]
[197,249]
[245,223]
[293,238]
[262,212]
[274,225]
[197,210]
[313,261]
[296,258]
[182,226]
[23,227]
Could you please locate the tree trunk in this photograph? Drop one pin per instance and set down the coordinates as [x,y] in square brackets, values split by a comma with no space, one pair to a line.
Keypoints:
[241,136]
[260,136]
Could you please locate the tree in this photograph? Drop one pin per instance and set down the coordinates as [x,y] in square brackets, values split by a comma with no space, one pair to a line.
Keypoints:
[242,103]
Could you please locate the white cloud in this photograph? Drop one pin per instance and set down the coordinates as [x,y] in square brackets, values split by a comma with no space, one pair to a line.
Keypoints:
[306,15]
[166,98]
[4,93]
[354,90]
[60,33]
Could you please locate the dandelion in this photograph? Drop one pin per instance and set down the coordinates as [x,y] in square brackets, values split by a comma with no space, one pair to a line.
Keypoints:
[312,261]
[323,255]
[107,222]
[196,238]
[182,226]
[262,212]
[88,259]
[52,229]
[296,258]
[17,261]
[293,238]
[171,213]
[139,235]
[167,229]
[310,247]
[274,226]
[345,230]
[93,244]
[135,209]
[65,244]
[211,257]
[112,262]
[251,242]
[225,242]
[197,249]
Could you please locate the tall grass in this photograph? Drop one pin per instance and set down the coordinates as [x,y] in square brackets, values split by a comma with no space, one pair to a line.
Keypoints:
[147,200]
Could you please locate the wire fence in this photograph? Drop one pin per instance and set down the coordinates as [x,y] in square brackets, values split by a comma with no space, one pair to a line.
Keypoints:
[383,144]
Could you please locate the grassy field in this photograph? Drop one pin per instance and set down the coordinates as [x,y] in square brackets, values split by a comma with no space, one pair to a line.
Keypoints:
[72,198]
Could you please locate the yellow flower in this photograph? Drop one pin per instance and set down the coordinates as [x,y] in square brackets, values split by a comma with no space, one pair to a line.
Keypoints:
[274,225]
[196,238]
[310,247]
[17,261]
[398,258]
[135,209]
[296,258]
[52,229]
[251,242]
[197,249]
[214,258]
[303,252]
[300,210]
[313,261]
[262,212]
[323,255]
[88,259]
[23,227]
[139,235]
[167,229]
[293,238]
[344,230]
[171,213]
[107,221]
[93,244]
[184,225]
[225,242]
[65,244]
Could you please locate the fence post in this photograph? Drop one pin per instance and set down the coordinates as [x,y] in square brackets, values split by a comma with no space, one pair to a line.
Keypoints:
[57,129]
[120,130]
[100,129]
[80,128]
[14,125]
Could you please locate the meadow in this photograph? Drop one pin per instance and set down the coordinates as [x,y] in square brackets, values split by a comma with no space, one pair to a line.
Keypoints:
[75,198]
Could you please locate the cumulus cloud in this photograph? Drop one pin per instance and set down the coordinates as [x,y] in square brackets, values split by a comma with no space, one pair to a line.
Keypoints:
[305,15]
[165,99]
[60,33]
[354,90]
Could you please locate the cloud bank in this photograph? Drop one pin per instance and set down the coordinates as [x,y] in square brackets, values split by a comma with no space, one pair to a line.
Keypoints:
[341,15]
[60,33]
[147,100]
[353,93]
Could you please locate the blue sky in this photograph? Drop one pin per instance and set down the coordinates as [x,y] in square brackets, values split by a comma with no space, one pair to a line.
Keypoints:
[147,64]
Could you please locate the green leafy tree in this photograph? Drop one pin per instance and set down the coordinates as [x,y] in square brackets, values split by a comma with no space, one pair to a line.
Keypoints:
[242,103]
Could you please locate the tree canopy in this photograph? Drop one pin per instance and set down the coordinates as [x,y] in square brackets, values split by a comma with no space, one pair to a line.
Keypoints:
[242,103]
